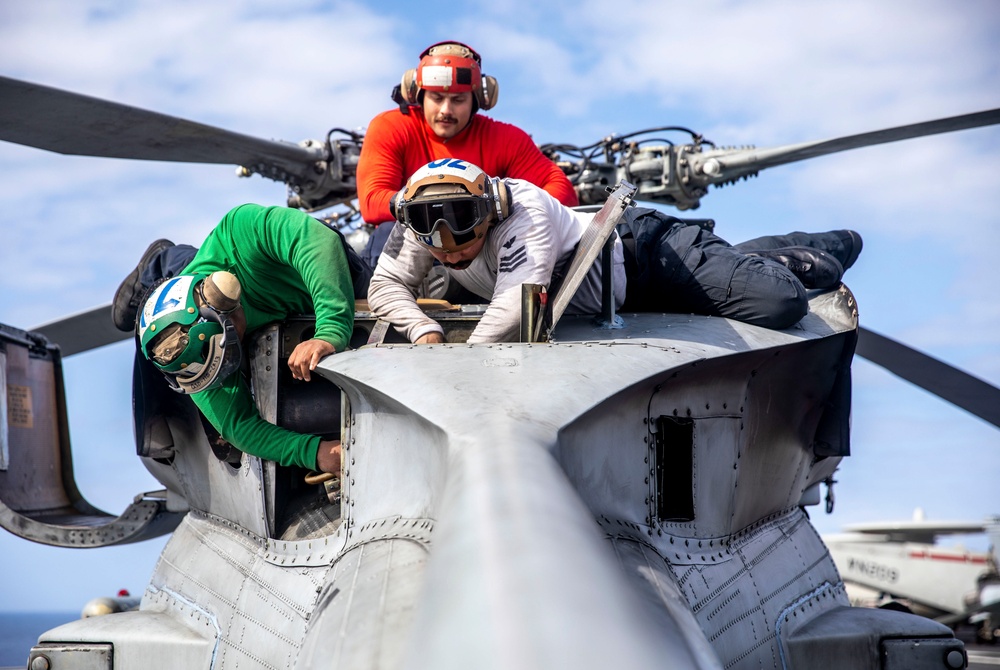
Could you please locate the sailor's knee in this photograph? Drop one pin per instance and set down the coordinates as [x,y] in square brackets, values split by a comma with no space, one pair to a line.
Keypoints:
[787,302]
[786,312]
[779,298]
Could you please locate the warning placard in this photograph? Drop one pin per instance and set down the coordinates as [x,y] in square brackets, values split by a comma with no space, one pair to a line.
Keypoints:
[19,414]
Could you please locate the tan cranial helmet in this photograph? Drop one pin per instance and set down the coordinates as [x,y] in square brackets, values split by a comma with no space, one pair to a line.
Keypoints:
[449,204]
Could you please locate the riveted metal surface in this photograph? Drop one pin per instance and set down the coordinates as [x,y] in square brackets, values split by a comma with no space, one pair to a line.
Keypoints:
[216,573]
[493,520]
[737,588]
[371,595]
[489,423]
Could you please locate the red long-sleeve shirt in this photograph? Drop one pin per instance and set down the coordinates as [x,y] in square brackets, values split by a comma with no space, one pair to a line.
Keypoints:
[397,144]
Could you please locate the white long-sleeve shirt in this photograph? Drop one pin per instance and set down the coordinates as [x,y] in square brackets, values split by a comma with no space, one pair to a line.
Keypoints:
[538,236]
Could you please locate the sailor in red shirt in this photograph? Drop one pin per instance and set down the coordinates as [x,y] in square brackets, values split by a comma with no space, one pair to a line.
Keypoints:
[437,118]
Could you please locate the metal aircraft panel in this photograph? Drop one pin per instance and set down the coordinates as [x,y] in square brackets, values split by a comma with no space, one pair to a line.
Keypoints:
[523,505]
[368,601]
[213,485]
[156,641]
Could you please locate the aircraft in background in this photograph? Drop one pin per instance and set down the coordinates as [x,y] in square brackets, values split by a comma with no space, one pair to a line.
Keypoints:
[901,565]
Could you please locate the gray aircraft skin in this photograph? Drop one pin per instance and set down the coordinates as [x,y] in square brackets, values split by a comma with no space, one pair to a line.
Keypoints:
[626,495]
[628,490]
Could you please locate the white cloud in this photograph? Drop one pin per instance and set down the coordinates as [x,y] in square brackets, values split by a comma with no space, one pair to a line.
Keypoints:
[817,67]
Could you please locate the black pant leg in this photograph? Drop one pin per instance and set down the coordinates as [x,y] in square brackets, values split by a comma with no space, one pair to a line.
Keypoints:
[168,263]
[830,242]
[685,268]
[375,243]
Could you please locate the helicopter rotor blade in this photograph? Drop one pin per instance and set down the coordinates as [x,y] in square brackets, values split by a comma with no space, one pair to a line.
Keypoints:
[951,384]
[721,166]
[83,332]
[70,123]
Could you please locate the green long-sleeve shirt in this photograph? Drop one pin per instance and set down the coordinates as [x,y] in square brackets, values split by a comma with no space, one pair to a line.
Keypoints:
[287,263]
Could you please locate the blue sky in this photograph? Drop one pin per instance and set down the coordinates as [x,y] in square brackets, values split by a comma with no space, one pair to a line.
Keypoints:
[765,73]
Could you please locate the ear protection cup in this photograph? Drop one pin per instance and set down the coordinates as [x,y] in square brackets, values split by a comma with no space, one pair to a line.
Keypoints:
[501,198]
[222,290]
[487,95]
[408,87]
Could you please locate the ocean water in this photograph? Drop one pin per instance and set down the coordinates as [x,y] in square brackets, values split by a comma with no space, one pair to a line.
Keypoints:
[19,632]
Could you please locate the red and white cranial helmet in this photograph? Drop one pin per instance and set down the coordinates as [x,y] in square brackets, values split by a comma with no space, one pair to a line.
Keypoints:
[450,67]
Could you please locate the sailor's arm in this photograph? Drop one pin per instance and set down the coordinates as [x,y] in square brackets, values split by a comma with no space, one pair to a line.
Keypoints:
[393,289]
[231,410]
[307,355]
[380,166]
[432,337]
[526,253]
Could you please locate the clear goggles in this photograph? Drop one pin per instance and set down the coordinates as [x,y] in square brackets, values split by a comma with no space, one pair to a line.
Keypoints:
[461,215]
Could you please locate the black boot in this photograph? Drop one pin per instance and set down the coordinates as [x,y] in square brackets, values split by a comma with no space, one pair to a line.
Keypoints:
[125,307]
[814,268]
[844,245]
[850,247]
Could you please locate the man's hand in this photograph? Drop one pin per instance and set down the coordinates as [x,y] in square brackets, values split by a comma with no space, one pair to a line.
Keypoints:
[328,456]
[307,355]
[432,337]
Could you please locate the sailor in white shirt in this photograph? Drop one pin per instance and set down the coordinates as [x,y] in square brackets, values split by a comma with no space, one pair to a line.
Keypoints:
[513,233]
[493,235]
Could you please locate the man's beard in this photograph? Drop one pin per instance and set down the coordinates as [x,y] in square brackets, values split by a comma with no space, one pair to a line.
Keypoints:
[461,265]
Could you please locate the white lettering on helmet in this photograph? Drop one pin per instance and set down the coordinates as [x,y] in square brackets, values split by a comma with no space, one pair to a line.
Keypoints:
[453,167]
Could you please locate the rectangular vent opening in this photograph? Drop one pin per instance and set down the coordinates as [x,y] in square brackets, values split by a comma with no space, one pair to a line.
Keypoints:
[674,463]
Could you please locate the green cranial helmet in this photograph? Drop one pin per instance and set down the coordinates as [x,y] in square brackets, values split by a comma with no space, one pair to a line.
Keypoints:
[192,342]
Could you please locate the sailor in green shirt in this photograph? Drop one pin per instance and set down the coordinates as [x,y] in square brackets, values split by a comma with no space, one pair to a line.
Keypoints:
[259,265]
